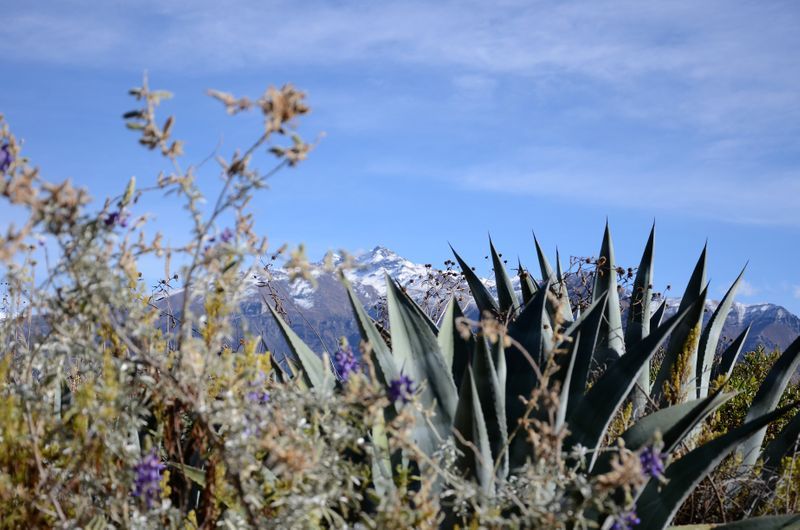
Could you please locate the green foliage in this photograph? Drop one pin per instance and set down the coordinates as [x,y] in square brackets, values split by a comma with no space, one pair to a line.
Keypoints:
[117,410]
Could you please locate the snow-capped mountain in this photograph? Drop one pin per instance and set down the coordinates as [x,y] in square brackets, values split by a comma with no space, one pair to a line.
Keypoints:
[322,314]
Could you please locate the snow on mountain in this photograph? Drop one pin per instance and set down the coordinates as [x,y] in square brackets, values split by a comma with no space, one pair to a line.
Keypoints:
[322,314]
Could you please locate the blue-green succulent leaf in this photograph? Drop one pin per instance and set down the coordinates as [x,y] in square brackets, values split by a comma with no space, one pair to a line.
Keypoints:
[380,355]
[767,398]
[483,298]
[709,339]
[315,373]
[472,438]
[728,358]
[493,403]
[505,289]
[658,502]
[455,349]
[417,355]
[590,418]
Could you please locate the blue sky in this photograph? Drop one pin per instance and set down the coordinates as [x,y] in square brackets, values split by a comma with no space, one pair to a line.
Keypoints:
[447,120]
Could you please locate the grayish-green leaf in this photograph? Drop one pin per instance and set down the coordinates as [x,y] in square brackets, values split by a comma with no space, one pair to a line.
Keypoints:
[589,323]
[505,289]
[674,423]
[315,374]
[728,358]
[471,438]
[483,298]
[532,331]
[767,398]
[658,315]
[681,352]
[639,318]
[380,355]
[416,353]
[455,349]
[526,283]
[605,281]
[786,441]
[493,403]
[590,418]
[709,339]
[658,502]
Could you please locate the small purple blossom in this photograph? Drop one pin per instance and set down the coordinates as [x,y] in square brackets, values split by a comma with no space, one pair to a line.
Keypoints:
[118,217]
[6,158]
[148,478]
[226,236]
[345,362]
[653,462]
[625,521]
[401,389]
[258,394]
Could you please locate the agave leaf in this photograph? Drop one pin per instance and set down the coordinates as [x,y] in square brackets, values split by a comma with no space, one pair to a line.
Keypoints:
[658,502]
[658,315]
[380,355]
[314,372]
[767,398]
[768,522]
[590,418]
[680,355]
[605,281]
[782,444]
[564,376]
[639,318]
[639,312]
[532,331]
[505,289]
[493,403]
[472,438]
[728,358]
[674,423]
[544,265]
[679,344]
[710,338]
[526,283]
[455,349]
[417,354]
[481,295]
[563,294]
[589,324]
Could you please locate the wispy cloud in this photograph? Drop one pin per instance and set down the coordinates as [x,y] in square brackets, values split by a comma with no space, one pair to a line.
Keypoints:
[708,71]
[747,289]
[797,291]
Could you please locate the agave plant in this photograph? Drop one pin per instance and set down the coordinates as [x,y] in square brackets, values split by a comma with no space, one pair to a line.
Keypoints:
[474,376]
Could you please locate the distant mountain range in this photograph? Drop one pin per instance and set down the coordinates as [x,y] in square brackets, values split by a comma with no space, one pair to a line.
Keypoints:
[321,314]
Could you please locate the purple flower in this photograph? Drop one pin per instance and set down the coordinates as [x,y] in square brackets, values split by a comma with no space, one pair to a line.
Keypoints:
[117,218]
[345,362]
[148,478]
[401,389]
[258,394]
[625,521]
[652,462]
[226,236]
[6,158]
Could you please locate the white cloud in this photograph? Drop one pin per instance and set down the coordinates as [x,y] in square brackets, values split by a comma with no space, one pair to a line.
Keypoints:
[698,68]
[797,291]
[747,289]
[709,64]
